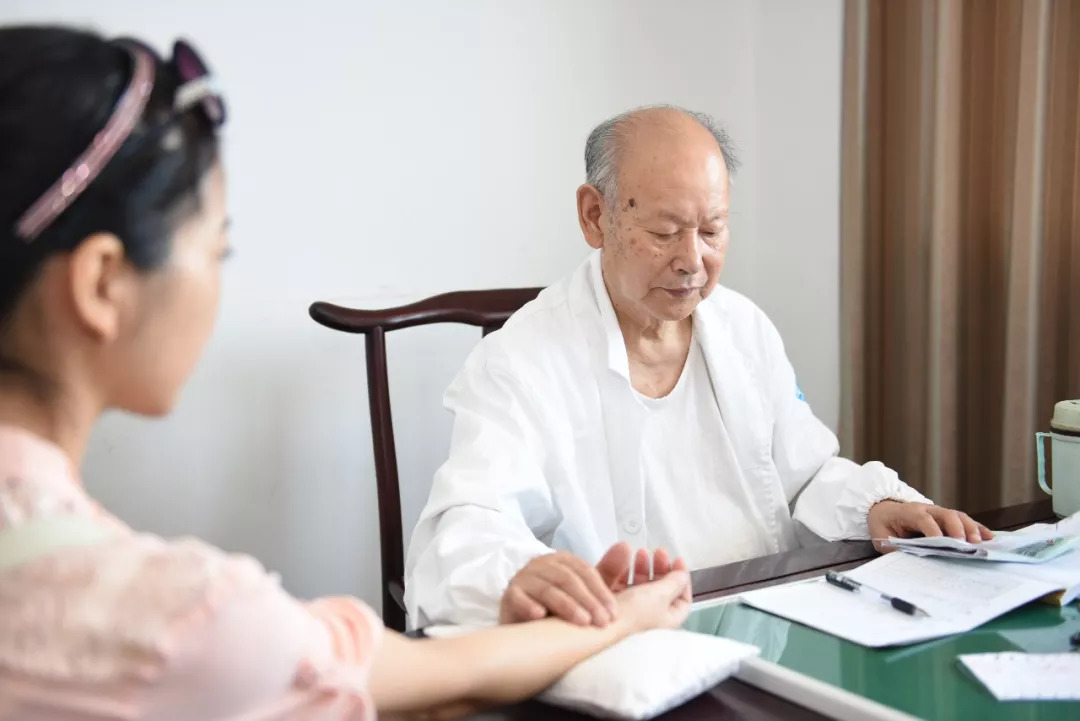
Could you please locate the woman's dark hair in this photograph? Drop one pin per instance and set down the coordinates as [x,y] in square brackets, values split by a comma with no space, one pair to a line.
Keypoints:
[58,89]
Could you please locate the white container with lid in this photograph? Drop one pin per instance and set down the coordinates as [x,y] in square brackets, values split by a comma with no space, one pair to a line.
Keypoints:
[1064,439]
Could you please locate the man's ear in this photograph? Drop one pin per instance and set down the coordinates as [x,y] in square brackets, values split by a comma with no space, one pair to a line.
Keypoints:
[591,207]
[100,284]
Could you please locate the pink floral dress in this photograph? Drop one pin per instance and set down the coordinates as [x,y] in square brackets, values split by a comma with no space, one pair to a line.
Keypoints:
[99,622]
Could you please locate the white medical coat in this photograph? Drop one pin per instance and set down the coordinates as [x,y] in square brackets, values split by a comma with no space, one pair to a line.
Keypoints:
[545,452]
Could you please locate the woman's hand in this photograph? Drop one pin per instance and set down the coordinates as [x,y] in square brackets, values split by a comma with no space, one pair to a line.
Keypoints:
[661,603]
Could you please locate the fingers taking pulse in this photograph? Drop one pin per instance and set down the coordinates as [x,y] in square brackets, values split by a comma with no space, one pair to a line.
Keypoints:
[563,585]
[558,584]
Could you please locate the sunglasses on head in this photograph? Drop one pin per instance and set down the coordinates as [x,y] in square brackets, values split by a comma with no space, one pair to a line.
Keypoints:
[196,90]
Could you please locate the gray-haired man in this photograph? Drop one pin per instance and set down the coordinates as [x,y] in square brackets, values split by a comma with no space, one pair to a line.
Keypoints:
[640,404]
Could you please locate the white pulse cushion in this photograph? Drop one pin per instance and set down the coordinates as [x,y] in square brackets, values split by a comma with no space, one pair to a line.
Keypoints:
[648,673]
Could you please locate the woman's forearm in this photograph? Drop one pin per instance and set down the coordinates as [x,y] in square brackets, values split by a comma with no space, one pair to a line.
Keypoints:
[508,663]
[493,666]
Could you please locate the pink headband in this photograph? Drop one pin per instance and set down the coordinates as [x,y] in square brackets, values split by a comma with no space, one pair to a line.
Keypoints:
[89,165]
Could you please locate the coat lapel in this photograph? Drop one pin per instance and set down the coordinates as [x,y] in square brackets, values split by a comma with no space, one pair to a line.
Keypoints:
[623,417]
[745,416]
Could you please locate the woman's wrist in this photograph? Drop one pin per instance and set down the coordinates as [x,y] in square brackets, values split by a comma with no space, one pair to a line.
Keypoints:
[627,621]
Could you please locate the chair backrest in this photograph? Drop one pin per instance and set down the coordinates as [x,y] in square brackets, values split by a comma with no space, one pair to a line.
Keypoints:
[488,309]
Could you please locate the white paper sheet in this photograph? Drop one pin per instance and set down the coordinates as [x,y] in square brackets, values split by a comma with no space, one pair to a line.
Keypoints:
[850,616]
[958,596]
[952,590]
[1005,544]
[1028,548]
[1063,572]
[1015,676]
[1069,526]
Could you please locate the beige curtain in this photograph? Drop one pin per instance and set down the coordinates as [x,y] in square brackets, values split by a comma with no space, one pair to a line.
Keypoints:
[960,238]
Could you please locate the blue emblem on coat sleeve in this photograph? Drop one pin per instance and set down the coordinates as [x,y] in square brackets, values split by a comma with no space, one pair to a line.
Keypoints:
[799,394]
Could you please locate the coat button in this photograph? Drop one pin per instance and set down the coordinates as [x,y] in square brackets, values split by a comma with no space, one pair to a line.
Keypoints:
[631,526]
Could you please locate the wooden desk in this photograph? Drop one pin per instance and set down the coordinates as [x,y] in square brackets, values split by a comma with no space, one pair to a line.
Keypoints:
[734,699]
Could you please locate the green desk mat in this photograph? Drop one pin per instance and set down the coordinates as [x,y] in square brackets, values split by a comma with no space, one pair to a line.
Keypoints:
[924,679]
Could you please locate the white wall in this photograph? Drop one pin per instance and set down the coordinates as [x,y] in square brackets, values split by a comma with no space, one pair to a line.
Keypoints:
[798,49]
[379,153]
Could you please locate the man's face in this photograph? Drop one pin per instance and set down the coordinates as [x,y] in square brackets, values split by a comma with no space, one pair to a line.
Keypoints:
[665,239]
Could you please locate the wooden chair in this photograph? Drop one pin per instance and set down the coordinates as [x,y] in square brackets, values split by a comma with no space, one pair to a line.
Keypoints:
[487,309]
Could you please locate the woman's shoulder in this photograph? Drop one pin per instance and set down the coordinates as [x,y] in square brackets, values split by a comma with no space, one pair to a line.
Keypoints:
[87,603]
[116,607]
[187,622]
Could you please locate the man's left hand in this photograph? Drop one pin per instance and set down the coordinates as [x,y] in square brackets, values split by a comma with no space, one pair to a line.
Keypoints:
[903,520]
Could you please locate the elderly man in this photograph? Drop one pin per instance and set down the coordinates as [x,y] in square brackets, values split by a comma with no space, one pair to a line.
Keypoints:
[637,402]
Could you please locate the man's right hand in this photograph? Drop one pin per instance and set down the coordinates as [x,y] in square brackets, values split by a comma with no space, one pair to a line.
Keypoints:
[563,585]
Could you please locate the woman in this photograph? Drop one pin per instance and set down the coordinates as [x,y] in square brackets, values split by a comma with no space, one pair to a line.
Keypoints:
[112,232]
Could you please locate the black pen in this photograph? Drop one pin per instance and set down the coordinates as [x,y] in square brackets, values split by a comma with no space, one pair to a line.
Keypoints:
[899,604]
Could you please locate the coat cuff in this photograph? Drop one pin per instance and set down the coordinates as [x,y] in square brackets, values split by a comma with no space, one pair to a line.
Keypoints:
[880,483]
